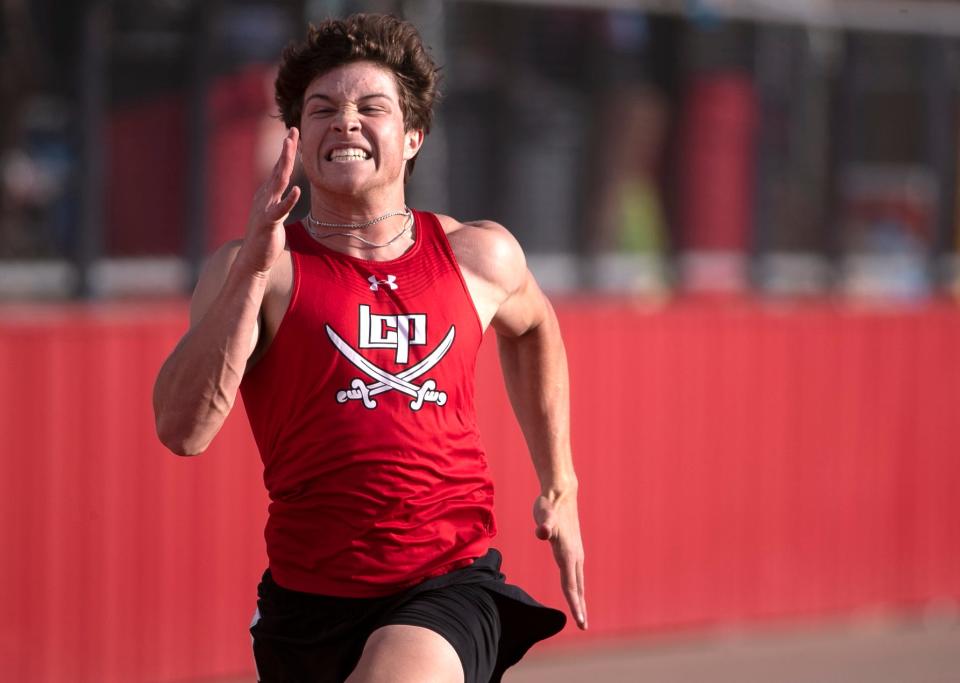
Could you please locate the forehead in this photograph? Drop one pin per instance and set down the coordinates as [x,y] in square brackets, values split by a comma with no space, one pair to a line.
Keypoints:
[354,80]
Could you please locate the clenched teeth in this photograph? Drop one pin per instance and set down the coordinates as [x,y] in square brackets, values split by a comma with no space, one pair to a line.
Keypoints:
[348,154]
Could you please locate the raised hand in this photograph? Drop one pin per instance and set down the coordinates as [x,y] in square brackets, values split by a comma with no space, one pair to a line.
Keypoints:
[265,238]
[558,522]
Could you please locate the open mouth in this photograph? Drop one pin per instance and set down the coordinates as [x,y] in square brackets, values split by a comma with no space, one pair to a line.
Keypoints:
[348,154]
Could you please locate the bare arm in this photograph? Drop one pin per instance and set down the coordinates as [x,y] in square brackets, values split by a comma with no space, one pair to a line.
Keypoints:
[197,385]
[534,365]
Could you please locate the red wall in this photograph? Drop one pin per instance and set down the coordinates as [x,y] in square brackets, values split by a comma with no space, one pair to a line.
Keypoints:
[737,463]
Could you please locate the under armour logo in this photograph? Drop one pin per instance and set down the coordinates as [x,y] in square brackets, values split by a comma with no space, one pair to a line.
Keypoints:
[390,282]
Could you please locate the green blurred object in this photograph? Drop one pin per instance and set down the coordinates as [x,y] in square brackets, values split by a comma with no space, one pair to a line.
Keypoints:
[640,219]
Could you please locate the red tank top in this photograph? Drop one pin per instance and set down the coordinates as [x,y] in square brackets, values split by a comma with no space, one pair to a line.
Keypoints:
[362,409]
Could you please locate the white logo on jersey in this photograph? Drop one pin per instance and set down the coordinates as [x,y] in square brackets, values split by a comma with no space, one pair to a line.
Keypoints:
[398,332]
[390,282]
[392,332]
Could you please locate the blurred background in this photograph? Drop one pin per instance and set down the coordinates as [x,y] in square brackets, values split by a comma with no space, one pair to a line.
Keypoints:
[653,147]
[745,212]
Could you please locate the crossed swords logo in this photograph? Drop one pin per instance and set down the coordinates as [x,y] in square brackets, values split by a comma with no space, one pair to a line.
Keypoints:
[385,381]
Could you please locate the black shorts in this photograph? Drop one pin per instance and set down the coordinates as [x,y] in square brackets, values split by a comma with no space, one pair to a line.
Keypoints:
[300,637]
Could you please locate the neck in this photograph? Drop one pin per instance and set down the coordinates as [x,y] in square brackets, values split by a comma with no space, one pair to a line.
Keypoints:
[349,225]
[352,209]
[381,238]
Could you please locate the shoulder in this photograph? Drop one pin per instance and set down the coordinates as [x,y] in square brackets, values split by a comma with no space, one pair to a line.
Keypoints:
[225,254]
[488,250]
[217,268]
[212,276]
[219,263]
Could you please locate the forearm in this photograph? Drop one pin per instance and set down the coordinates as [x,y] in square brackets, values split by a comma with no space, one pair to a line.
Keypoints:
[197,385]
[535,373]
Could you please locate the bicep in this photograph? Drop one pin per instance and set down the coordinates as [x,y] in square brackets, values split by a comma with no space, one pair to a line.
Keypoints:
[212,278]
[524,309]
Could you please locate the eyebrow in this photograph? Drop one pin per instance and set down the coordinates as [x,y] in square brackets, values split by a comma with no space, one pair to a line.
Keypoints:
[321,96]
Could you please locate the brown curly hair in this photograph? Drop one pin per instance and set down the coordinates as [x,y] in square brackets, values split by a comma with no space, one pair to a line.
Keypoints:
[379,38]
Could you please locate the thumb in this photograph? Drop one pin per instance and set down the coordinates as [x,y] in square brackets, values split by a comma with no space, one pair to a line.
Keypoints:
[545,529]
[286,204]
[544,517]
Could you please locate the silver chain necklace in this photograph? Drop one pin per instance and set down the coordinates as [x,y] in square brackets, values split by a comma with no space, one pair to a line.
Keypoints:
[407,224]
[356,226]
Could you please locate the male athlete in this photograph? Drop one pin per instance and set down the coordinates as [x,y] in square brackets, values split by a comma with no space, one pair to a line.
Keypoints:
[352,336]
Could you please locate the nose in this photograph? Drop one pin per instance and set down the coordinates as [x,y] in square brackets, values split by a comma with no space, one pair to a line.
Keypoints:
[346,120]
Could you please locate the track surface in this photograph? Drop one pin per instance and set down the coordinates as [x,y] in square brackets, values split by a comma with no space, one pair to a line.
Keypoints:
[861,652]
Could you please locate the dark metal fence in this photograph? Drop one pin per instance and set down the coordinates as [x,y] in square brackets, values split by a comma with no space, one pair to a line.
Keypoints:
[651,151]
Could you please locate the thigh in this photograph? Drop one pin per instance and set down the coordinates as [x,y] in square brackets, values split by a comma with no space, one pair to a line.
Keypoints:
[400,653]
[454,625]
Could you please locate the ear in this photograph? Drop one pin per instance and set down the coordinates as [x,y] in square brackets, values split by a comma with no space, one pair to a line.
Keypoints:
[412,142]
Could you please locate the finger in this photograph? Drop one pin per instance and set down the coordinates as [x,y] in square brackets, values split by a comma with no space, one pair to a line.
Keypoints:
[290,201]
[581,592]
[288,156]
[277,169]
[288,153]
[568,580]
[282,209]
[572,591]
[277,182]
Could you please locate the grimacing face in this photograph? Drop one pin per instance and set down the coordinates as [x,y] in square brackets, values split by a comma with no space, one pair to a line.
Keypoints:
[353,140]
